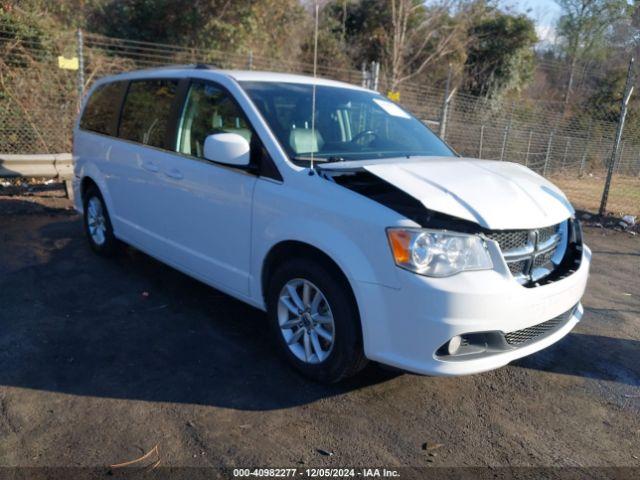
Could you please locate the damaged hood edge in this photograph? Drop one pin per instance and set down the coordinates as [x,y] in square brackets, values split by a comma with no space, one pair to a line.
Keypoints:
[496,195]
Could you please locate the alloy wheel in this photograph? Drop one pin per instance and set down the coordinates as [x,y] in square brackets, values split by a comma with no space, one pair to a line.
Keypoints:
[306,321]
[96,221]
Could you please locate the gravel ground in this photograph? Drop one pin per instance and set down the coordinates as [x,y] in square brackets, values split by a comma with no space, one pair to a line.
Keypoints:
[102,360]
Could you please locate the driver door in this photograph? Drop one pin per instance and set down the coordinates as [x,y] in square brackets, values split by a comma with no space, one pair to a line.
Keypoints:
[207,206]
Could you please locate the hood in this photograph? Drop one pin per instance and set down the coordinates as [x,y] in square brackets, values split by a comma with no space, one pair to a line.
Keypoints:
[496,195]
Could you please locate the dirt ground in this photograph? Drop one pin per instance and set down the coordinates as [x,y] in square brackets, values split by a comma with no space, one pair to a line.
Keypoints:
[102,360]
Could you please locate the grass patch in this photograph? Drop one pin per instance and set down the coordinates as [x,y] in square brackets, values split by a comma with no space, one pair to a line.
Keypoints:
[586,192]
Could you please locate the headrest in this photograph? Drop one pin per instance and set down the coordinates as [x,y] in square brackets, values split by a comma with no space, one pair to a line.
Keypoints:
[216,120]
[305,140]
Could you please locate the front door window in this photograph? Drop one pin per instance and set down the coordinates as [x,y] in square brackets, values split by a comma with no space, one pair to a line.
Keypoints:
[208,110]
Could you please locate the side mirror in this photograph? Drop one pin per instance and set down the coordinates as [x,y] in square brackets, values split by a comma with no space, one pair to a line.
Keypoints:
[227,148]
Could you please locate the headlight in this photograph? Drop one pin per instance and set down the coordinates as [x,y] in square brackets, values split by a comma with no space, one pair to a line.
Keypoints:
[437,253]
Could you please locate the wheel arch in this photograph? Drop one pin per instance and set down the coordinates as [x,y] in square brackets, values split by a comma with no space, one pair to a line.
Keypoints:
[288,249]
[89,176]
[85,184]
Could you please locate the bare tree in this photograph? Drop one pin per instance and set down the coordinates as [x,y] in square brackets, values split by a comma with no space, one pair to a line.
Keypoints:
[582,28]
[420,36]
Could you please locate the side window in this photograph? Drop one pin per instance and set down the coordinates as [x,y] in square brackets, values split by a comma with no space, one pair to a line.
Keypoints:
[102,108]
[146,111]
[208,110]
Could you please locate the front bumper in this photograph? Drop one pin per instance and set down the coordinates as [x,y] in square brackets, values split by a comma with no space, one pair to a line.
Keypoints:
[405,327]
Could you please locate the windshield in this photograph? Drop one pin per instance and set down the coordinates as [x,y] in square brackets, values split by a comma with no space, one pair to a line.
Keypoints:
[349,124]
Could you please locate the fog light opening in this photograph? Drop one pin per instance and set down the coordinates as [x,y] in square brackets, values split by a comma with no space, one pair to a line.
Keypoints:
[454,345]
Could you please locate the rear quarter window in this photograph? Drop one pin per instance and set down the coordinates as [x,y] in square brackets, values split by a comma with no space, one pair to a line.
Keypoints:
[102,107]
[146,112]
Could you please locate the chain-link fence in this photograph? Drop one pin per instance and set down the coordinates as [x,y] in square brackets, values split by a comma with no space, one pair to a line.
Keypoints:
[38,103]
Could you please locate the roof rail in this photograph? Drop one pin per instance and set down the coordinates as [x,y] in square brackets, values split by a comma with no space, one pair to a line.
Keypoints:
[169,66]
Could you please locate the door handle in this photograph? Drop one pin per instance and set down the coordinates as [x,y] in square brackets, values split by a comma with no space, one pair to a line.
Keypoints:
[150,166]
[174,173]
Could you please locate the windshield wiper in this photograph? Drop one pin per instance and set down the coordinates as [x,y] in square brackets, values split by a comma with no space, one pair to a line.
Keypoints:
[330,159]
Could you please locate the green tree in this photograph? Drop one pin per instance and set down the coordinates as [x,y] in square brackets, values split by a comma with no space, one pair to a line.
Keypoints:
[23,38]
[266,26]
[180,22]
[332,50]
[500,58]
[604,102]
[275,28]
[54,15]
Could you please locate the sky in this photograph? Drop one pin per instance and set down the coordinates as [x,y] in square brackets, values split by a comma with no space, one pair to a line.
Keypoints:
[544,13]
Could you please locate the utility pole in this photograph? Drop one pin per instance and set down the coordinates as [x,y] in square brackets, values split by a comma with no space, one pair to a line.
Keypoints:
[628,90]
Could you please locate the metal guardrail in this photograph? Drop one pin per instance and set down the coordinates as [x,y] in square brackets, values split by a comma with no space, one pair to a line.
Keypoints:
[57,165]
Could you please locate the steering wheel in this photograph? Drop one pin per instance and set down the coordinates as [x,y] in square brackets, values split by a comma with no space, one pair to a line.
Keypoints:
[363,134]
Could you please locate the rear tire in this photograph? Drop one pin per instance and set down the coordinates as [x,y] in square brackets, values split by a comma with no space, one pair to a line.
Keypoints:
[97,223]
[314,320]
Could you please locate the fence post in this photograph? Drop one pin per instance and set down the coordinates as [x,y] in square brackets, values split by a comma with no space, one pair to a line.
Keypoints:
[80,53]
[504,142]
[445,106]
[365,75]
[548,155]
[628,90]
[566,151]
[526,158]
[481,141]
[586,148]
[506,132]
[375,67]
[620,161]
[250,60]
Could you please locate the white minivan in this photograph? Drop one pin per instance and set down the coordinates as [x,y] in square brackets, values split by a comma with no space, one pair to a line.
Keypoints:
[359,231]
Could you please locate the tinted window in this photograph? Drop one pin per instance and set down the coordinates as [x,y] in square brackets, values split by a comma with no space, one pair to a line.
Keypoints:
[208,110]
[102,107]
[146,111]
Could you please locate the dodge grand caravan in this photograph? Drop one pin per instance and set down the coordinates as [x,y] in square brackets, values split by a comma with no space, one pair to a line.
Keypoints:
[360,233]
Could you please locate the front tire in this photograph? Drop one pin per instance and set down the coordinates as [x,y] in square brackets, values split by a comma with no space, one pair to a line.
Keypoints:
[314,320]
[97,223]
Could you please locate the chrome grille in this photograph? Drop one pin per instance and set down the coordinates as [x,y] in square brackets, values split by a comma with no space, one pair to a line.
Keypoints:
[545,234]
[516,268]
[528,334]
[530,254]
[510,240]
[543,259]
